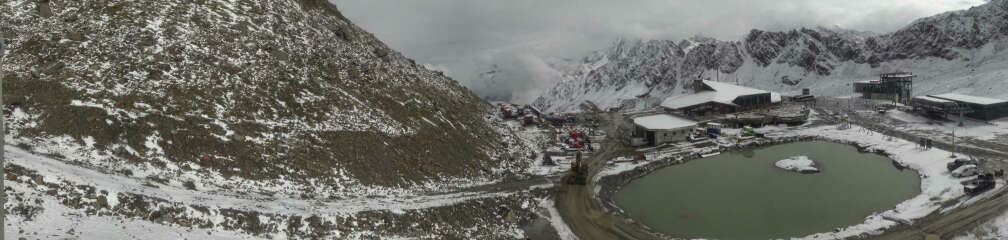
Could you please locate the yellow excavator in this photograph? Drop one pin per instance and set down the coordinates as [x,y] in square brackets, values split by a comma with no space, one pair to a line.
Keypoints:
[579,171]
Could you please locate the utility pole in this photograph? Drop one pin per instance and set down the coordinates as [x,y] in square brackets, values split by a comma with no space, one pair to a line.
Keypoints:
[3,144]
[955,147]
[960,108]
[850,105]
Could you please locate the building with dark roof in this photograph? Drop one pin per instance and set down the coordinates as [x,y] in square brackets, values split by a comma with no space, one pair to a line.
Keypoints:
[982,108]
[935,107]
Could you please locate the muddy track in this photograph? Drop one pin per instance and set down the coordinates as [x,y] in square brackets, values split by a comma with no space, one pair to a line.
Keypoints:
[586,217]
[579,207]
[953,223]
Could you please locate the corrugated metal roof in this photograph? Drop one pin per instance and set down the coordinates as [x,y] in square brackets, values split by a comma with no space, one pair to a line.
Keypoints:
[663,122]
[681,101]
[932,99]
[969,99]
[723,93]
[731,89]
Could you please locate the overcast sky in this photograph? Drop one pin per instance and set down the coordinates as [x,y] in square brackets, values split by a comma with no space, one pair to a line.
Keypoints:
[464,37]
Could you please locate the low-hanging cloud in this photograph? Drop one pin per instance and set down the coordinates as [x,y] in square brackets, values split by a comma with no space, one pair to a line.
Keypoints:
[464,38]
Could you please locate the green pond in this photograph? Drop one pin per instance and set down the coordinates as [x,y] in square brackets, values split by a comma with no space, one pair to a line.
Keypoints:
[741,195]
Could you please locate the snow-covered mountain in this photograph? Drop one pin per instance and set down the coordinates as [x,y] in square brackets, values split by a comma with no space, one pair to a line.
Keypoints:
[491,80]
[518,79]
[961,51]
[283,93]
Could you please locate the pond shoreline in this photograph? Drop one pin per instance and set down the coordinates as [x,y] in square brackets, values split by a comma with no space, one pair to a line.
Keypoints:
[610,185]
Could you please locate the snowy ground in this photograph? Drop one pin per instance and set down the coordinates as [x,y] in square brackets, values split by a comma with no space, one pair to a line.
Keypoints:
[653,154]
[563,231]
[57,221]
[76,201]
[937,185]
[56,171]
[536,138]
[971,128]
[59,184]
[993,229]
[797,164]
[532,140]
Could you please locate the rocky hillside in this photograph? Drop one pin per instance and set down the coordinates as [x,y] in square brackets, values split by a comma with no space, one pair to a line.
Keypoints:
[288,94]
[961,51]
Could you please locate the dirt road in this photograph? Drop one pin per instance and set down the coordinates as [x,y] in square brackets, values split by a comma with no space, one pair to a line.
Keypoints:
[579,207]
[951,224]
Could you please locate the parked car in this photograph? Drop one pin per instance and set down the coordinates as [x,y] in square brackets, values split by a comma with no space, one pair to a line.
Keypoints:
[966,171]
[952,166]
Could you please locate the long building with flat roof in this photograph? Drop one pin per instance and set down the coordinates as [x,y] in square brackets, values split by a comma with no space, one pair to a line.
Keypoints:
[662,128]
[982,108]
[933,106]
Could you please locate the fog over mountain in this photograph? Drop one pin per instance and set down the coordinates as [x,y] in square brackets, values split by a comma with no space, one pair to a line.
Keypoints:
[518,40]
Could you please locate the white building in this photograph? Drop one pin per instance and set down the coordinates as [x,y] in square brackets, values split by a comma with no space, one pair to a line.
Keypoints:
[712,97]
[662,128]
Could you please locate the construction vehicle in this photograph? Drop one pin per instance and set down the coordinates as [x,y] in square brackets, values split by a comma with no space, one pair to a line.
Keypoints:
[508,112]
[579,171]
[981,184]
[529,119]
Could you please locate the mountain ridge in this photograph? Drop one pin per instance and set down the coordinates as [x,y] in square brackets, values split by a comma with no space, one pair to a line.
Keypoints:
[790,60]
[242,93]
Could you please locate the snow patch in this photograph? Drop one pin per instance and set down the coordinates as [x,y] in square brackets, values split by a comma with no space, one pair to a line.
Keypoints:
[801,164]
[558,223]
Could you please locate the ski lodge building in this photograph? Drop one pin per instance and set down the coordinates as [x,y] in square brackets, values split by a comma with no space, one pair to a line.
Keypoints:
[711,98]
[662,128]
